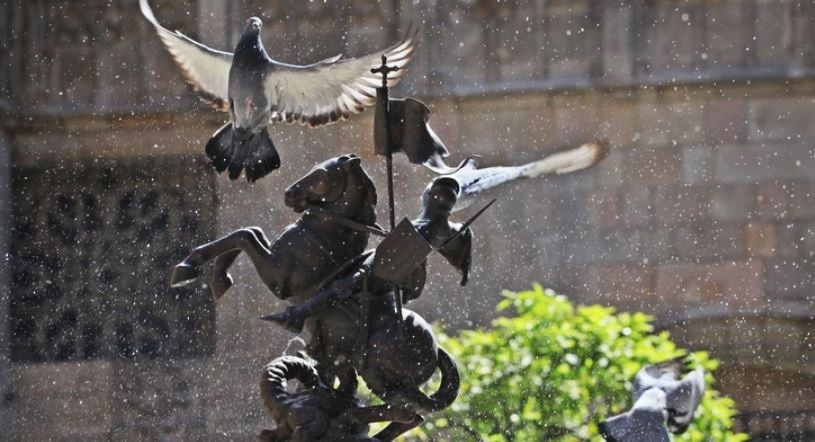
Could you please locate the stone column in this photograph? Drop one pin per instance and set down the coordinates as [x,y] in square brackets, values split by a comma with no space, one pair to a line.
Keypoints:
[213,23]
[5,274]
[617,40]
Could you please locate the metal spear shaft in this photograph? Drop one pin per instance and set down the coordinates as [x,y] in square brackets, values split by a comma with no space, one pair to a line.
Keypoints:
[384,69]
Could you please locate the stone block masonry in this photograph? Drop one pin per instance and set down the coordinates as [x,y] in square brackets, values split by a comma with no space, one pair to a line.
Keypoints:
[702,214]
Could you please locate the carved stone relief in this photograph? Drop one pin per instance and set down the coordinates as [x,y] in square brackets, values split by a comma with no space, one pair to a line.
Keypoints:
[91,249]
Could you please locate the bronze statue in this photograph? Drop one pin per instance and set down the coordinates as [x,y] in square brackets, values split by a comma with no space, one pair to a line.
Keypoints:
[400,258]
[355,319]
[352,317]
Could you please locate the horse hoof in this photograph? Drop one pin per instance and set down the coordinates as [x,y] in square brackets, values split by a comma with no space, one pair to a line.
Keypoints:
[288,320]
[183,274]
[220,284]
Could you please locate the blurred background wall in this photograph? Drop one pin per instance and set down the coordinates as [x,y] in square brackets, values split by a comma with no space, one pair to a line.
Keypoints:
[703,214]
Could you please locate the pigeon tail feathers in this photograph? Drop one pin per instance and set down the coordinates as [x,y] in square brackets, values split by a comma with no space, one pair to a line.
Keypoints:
[263,158]
[219,148]
[242,151]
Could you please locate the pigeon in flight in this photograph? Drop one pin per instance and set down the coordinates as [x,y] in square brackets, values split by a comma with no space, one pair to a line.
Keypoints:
[661,396]
[257,90]
[474,181]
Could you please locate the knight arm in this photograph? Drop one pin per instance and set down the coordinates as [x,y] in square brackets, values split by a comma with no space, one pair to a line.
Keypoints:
[294,318]
[459,253]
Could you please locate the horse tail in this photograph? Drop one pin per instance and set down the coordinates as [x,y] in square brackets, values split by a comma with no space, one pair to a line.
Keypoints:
[444,396]
[274,377]
[450,382]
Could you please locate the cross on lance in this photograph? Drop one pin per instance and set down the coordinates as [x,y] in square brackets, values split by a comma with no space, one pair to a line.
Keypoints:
[382,92]
[384,69]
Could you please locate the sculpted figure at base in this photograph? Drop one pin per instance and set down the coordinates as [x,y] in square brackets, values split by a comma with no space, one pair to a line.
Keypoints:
[315,412]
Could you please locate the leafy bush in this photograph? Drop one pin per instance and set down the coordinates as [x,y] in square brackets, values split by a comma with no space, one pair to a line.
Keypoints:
[553,372]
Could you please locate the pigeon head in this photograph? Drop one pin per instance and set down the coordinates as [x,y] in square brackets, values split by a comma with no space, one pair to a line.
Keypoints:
[249,51]
[253,26]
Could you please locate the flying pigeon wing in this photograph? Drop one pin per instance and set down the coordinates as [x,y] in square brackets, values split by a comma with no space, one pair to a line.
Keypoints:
[333,89]
[475,181]
[206,69]
[572,160]
[645,422]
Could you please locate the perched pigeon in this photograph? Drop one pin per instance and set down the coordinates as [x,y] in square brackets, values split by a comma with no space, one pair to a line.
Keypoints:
[256,90]
[682,395]
[660,395]
[645,422]
[474,181]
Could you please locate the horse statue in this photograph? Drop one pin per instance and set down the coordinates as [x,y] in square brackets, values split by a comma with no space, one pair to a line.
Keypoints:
[306,251]
[363,334]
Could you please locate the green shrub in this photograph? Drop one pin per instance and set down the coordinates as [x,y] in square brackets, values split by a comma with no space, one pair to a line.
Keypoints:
[553,372]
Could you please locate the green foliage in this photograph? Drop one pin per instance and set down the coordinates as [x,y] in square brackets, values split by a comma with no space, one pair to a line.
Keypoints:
[552,372]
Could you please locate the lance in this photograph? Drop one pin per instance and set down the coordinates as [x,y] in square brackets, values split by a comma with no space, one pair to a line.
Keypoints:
[382,94]
[384,69]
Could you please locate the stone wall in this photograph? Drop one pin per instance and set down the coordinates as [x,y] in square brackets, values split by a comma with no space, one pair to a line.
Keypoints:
[702,214]
[91,244]
[5,227]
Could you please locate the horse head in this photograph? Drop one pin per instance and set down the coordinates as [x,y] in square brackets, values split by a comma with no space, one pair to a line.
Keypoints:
[339,185]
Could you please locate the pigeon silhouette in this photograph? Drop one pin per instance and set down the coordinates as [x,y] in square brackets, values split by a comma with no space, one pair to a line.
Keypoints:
[683,395]
[661,396]
[474,181]
[257,90]
[645,422]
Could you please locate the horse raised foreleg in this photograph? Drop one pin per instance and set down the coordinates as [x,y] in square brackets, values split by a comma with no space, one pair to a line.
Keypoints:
[221,280]
[241,240]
